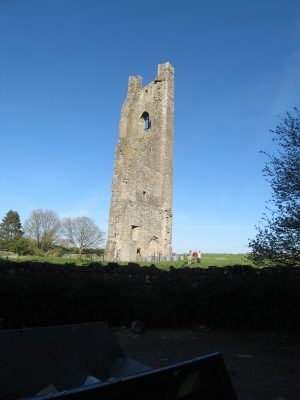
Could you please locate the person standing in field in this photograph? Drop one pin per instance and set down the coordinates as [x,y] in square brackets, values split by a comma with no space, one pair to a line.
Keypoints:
[190,257]
[199,257]
[195,255]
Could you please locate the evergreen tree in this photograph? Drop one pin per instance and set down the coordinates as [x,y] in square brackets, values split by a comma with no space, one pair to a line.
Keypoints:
[21,246]
[10,229]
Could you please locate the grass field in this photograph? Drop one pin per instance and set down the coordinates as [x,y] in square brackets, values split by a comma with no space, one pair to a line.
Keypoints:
[208,259]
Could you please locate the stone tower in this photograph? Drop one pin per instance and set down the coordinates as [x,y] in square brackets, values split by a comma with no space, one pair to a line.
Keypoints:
[140,219]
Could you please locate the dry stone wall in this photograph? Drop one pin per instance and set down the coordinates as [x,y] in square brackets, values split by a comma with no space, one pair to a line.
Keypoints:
[147,278]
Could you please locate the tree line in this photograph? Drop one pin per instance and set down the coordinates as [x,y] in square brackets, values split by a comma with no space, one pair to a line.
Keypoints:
[43,233]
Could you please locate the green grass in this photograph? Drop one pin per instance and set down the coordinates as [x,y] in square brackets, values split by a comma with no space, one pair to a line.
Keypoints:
[55,260]
[208,259]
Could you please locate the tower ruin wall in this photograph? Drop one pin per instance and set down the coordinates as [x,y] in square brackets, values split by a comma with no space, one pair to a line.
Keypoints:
[140,220]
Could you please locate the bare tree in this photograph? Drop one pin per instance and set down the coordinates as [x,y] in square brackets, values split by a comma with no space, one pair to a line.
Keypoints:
[42,227]
[82,233]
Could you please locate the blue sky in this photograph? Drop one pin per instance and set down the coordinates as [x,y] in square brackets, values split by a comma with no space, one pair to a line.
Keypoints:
[64,68]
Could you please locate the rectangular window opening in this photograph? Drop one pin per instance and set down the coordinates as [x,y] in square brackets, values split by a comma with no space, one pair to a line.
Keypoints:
[134,232]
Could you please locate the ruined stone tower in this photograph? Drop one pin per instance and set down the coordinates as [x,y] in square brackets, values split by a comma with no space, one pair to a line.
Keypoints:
[140,219]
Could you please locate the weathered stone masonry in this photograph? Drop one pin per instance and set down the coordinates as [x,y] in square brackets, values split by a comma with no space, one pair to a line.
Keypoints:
[140,220]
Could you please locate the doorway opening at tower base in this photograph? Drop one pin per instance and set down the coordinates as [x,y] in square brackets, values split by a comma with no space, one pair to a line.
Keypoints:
[153,246]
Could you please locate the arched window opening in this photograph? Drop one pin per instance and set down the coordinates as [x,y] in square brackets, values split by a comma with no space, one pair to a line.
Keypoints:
[146,118]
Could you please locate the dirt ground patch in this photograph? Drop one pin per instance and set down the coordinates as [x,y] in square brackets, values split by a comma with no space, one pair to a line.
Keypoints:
[261,365]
